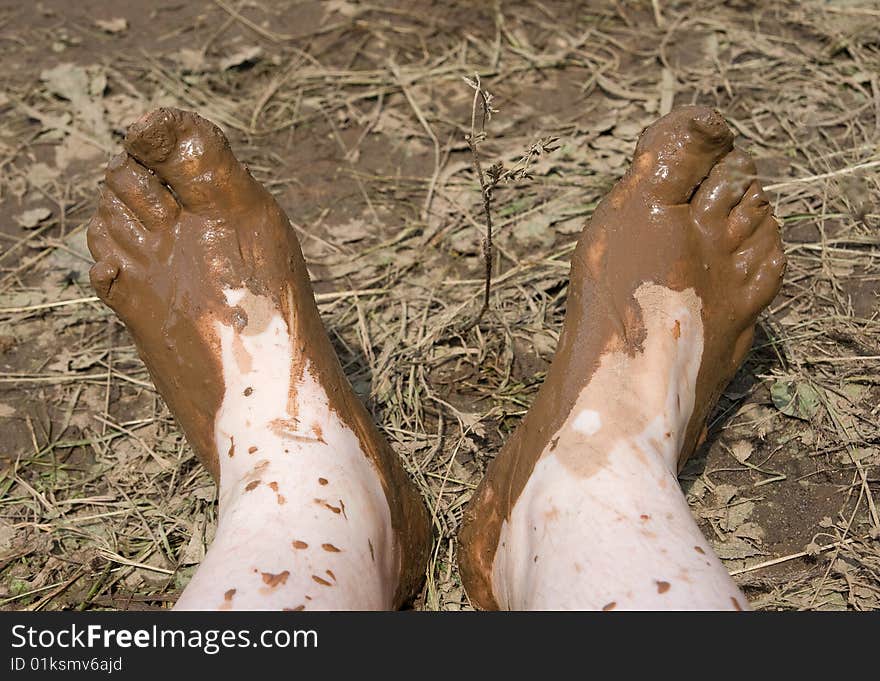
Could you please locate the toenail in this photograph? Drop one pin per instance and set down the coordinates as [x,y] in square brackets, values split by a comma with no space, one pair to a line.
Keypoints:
[711,124]
[153,137]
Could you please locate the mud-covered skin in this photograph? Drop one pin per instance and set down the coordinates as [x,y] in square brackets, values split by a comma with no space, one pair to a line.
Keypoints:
[688,214]
[179,222]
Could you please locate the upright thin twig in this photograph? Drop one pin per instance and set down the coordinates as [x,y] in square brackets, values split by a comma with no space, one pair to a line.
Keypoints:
[493,175]
[482,99]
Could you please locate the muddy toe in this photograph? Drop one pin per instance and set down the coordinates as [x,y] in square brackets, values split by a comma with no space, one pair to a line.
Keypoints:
[760,263]
[123,227]
[675,154]
[192,156]
[749,214]
[102,275]
[141,191]
[98,239]
[723,189]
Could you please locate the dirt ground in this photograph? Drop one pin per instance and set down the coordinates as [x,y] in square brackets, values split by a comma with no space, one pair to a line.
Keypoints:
[355,114]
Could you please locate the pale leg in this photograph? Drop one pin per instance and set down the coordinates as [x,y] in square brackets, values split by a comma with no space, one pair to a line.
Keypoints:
[617,532]
[304,522]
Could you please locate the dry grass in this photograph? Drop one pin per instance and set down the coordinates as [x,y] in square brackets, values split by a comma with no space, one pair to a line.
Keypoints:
[356,119]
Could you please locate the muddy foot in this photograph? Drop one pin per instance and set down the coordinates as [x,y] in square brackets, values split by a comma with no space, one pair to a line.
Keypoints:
[202,266]
[666,283]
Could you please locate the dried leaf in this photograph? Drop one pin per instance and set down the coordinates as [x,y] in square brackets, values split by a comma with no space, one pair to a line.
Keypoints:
[84,88]
[194,552]
[535,230]
[724,493]
[7,534]
[73,149]
[735,548]
[750,530]
[812,549]
[348,232]
[189,59]
[472,421]
[33,217]
[343,7]
[87,360]
[741,450]
[244,57]
[736,515]
[41,175]
[115,25]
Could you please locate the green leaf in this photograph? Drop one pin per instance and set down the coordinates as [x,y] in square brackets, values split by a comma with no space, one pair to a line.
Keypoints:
[799,400]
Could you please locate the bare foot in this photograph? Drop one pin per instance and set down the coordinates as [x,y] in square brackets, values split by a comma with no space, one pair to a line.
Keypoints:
[666,283]
[203,267]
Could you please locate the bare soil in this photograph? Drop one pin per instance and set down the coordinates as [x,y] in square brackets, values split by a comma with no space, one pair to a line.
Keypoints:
[355,116]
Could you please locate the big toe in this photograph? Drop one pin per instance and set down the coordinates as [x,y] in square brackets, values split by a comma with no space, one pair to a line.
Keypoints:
[192,156]
[675,154]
